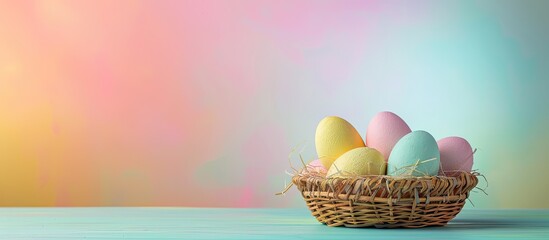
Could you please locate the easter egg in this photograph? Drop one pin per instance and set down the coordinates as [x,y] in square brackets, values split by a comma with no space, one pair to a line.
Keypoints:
[415,154]
[335,136]
[456,155]
[384,131]
[359,161]
[315,166]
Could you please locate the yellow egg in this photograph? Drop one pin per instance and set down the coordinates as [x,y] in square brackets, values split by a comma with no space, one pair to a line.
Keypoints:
[335,136]
[359,161]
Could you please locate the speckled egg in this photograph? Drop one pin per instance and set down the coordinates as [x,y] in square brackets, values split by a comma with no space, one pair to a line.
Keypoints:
[359,161]
[456,155]
[335,136]
[415,154]
[384,131]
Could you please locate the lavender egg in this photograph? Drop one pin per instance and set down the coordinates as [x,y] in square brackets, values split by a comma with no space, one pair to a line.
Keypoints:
[456,155]
[315,166]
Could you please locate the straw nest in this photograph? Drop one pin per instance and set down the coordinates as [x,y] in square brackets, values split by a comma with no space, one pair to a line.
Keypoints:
[385,201]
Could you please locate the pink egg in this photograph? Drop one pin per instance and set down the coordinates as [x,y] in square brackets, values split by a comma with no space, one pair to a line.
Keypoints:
[384,131]
[456,155]
[316,166]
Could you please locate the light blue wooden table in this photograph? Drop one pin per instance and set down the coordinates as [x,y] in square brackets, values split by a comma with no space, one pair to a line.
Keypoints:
[222,223]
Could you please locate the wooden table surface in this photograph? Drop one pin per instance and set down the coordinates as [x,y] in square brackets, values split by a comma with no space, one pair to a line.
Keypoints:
[231,223]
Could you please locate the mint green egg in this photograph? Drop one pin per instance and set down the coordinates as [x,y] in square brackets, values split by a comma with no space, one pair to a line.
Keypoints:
[415,154]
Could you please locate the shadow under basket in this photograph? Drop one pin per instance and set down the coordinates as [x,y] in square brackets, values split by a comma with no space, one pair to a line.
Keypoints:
[385,201]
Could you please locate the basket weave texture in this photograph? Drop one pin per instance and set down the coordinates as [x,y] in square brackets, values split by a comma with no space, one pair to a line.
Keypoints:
[385,201]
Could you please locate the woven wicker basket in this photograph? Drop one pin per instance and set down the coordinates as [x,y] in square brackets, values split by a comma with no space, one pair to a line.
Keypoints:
[384,201]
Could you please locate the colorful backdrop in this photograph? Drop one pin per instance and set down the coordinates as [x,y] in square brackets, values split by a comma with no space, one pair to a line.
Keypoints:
[198,103]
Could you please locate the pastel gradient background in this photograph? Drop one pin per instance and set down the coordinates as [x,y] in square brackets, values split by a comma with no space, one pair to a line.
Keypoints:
[198,103]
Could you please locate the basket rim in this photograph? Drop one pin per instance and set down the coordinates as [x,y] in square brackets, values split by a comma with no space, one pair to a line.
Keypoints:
[317,177]
[384,188]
